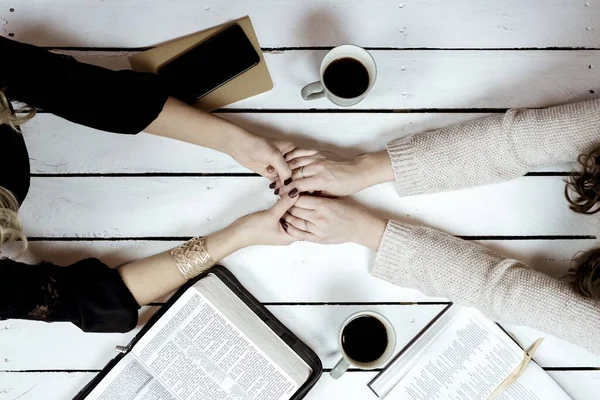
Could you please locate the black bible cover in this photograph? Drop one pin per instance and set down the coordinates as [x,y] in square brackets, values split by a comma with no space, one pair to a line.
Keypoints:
[288,337]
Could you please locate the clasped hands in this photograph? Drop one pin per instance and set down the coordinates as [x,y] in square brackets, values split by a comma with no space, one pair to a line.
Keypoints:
[310,184]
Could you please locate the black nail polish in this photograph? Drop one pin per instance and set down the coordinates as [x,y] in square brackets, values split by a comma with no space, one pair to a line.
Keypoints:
[287,181]
[276,192]
[272,185]
[293,192]
[284,225]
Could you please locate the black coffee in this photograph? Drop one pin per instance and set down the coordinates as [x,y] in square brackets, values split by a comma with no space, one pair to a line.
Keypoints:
[346,77]
[365,339]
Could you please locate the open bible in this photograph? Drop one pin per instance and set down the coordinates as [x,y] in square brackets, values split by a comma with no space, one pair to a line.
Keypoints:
[464,356]
[211,341]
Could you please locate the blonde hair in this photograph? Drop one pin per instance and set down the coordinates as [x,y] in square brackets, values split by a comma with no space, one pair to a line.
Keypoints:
[8,117]
[11,229]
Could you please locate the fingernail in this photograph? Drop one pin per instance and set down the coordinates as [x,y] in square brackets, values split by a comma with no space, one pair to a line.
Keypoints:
[276,192]
[270,169]
[287,181]
[284,225]
[293,192]
[272,185]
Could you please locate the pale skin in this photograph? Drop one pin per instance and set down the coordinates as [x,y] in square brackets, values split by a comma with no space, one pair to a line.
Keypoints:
[182,122]
[331,221]
[321,171]
[151,278]
[322,219]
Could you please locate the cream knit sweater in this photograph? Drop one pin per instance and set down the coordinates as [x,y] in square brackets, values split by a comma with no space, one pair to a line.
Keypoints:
[489,150]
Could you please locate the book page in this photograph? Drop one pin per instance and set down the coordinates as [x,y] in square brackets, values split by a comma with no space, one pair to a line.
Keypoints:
[129,380]
[199,354]
[468,361]
[236,311]
[534,384]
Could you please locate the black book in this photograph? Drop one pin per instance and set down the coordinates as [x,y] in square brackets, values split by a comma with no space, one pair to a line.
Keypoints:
[211,340]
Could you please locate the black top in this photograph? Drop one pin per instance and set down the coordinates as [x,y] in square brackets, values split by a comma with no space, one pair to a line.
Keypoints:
[87,293]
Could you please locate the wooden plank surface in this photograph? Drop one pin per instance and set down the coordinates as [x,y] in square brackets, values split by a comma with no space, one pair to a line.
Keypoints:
[379,23]
[464,83]
[579,385]
[24,346]
[305,272]
[86,150]
[170,206]
[425,79]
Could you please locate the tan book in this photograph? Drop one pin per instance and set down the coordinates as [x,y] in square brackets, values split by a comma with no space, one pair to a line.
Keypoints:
[252,82]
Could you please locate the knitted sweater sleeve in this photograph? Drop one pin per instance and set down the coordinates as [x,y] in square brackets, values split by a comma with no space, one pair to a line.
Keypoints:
[505,290]
[494,149]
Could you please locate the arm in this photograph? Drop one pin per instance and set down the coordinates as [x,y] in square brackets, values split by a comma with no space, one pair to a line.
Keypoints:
[127,102]
[505,290]
[151,278]
[495,148]
[97,298]
[442,265]
[488,150]
[115,101]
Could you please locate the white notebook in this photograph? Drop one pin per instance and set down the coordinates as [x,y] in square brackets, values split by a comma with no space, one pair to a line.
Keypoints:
[463,356]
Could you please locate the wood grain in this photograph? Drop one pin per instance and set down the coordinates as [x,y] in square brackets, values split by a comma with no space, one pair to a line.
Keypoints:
[184,206]
[57,146]
[380,23]
[580,385]
[423,79]
[25,343]
[317,326]
[305,272]
[463,83]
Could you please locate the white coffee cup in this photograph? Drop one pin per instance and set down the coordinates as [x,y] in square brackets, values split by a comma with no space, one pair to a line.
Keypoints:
[346,361]
[317,90]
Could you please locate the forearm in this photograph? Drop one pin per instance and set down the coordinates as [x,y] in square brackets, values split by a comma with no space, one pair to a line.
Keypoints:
[505,290]
[154,277]
[374,168]
[183,122]
[493,149]
[370,230]
[115,101]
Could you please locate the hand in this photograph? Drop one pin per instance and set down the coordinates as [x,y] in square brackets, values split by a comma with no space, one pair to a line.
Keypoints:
[331,175]
[330,221]
[263,156]
[264,227]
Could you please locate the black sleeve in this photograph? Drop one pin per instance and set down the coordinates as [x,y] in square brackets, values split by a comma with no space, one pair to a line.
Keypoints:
[115,101]
[89,294]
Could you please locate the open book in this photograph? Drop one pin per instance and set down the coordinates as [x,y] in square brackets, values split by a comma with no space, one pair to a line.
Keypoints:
[208,344]
[463,356]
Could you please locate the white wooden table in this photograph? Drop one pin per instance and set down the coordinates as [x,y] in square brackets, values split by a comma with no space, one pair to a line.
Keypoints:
[440,62]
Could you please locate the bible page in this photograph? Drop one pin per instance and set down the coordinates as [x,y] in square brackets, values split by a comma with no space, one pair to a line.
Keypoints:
[199,354]
[129,380]
[468,361]
[236,311]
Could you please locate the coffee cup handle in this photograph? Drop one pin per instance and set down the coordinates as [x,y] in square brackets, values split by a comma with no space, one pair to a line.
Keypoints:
[339,369]
[312,91]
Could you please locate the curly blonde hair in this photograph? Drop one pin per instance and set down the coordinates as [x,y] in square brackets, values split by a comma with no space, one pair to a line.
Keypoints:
[10,226]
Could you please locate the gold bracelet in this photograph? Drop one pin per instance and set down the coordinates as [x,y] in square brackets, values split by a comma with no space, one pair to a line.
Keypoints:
[191,258]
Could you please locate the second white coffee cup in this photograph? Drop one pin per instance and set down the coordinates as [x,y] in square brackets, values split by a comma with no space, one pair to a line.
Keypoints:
[367,340]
